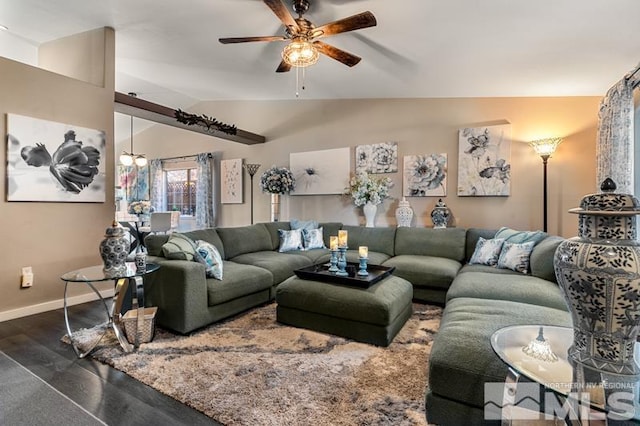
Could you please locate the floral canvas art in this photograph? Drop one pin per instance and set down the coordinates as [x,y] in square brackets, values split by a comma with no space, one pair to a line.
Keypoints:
[425,175]
[135,182]
[377,158]
[50,161]
[320,172]
[231,181]
[484,161]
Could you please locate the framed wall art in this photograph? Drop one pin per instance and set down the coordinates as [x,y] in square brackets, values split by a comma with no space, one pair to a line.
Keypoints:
[231,181]
[50,161]
[320,172]
[377,158]
[484,161]
[134,181]
[425,175]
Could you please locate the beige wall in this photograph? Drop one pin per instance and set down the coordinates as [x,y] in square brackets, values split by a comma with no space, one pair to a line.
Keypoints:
[52,237]
[420,126]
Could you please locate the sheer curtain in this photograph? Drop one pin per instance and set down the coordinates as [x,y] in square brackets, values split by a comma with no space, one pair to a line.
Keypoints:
[205,211]
[156,183]
[615,144]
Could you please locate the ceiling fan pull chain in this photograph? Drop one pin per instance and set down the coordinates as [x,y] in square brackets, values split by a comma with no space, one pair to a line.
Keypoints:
[297,82]
[303,76]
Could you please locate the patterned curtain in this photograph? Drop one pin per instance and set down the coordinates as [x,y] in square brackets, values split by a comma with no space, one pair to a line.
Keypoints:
[156,182]
[205,212]
[615,147]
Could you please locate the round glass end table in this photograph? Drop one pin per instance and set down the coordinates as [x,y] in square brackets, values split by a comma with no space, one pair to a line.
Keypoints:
[130,276]
[577,393]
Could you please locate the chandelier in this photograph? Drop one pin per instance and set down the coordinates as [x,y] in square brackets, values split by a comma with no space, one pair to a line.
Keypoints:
[300,53]
[128,158]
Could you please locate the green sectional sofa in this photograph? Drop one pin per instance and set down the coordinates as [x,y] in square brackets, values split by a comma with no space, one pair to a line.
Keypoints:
[478,299]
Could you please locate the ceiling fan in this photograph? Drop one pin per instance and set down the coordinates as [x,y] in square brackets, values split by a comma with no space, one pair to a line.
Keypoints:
[305,46]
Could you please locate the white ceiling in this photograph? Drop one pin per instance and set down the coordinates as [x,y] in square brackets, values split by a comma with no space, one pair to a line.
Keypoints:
[168,52]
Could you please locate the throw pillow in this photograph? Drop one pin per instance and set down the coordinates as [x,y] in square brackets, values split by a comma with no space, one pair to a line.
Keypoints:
[515,256]
[313,239]
[290,240]
[513,236]
[487,252]
[179,247]
[209,256]
[303,224]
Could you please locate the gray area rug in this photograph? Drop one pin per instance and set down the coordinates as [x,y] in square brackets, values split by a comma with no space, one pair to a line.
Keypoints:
[25,399]
[250,370]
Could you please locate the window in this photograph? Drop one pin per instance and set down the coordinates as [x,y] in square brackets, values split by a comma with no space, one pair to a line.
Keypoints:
[181,190]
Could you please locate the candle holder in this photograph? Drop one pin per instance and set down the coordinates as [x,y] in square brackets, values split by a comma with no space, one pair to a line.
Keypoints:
[342,262]
[334,261]
[363,267]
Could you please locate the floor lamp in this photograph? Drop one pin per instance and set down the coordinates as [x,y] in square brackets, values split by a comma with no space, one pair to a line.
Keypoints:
[251,169]
[545,148]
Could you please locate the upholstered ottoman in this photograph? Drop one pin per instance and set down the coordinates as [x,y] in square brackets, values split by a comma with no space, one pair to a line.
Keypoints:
[373,315]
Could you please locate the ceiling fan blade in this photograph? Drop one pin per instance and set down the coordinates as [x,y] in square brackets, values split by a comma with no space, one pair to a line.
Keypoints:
[355,22]
[338,54]
[229,40]
[282,13]
[283,67]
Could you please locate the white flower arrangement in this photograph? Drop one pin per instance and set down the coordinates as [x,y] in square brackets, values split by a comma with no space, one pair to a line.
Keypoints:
[367,189]
[140,207]
[277,180]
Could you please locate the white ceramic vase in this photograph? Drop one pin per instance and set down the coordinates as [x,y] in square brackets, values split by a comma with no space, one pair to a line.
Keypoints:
[275,207]
[404,214]
[370,210]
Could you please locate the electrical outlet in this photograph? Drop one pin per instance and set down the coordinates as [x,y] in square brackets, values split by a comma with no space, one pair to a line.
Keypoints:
[27,277]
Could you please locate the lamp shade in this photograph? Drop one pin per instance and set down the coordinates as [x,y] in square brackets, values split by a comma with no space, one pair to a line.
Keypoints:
[300,53]
[140,160]
[126,159]
[545,147]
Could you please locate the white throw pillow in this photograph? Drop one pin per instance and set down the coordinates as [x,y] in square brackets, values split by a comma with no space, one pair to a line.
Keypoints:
[290,240]
[487,252]
[313,239]
[516,256]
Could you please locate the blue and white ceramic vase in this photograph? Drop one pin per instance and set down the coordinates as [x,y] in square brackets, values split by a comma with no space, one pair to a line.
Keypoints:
[598,274]
[114,250]
[440,215]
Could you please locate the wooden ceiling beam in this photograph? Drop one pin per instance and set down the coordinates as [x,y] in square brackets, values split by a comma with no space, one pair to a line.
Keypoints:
[131,105]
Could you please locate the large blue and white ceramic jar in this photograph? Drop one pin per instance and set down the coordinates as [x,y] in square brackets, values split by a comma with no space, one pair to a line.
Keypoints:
[598,274]
[114,250]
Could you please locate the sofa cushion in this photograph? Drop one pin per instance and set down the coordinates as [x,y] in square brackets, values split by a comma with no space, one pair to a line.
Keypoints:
[381,240]
[313,238]
[425,271]
[515,256]
[374,258]
[514,287]
[314,255]
[487,252]
[462,359]
[519,237]
[449,242]
[281,265]
[239,281]
[245,239]
[542,258]
[179,247]
[290,240]
[209,235]
[154,243]
[488,269]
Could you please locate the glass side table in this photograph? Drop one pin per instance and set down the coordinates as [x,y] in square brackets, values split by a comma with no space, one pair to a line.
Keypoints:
[95,274]
[577,393]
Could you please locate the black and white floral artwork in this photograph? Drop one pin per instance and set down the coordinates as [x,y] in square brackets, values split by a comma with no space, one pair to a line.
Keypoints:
[50,161]
[231,181]
[484,161]
[320,172]
[425,175]
[377,158]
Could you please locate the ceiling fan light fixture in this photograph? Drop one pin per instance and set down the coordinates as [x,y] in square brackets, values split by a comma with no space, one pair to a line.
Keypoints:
[300,53]
[126,159]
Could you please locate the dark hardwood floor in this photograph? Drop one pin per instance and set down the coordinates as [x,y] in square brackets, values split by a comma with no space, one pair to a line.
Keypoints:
[108,394]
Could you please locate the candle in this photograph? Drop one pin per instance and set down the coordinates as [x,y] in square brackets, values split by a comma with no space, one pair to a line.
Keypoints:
[363,251]
[342,238]
[333,242]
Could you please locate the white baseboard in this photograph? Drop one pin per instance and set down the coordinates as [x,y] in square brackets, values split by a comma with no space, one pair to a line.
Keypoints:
[52,305]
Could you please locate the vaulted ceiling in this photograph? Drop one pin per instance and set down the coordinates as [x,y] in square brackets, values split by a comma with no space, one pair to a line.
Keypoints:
[168,51]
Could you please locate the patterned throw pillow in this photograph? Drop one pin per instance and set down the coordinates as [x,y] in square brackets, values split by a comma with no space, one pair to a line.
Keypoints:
[179,247]
[487,252]
[513,236]
[209,256]
[313,239]
[303,224]
[516,256]
[290,240]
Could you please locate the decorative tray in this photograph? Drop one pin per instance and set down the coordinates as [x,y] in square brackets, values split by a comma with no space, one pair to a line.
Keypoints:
[320,272]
